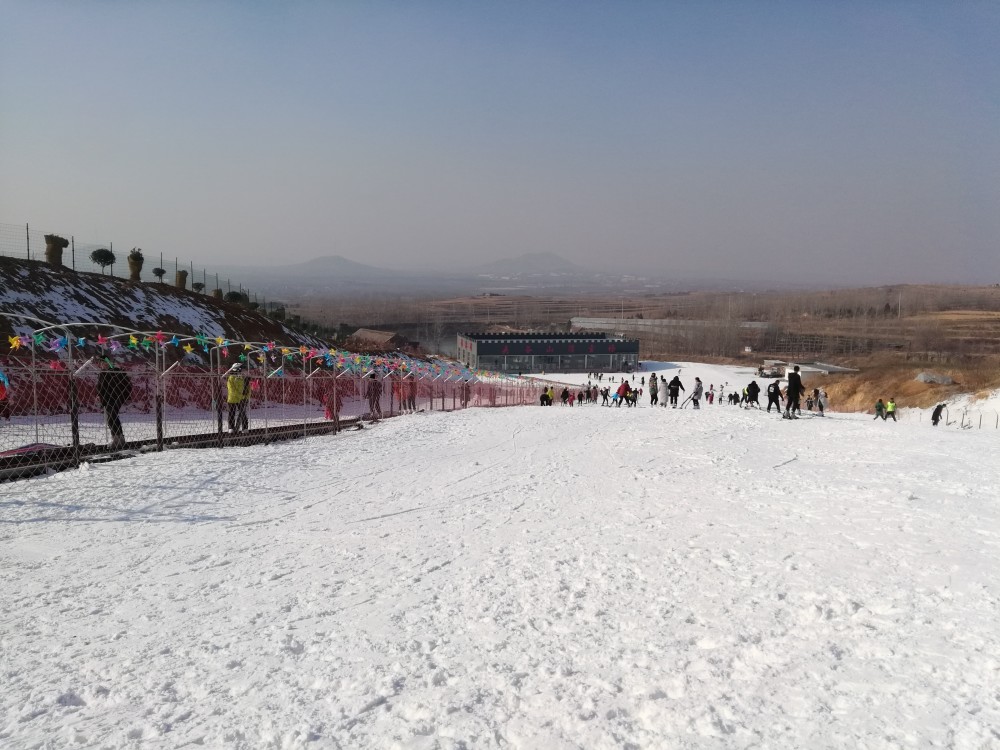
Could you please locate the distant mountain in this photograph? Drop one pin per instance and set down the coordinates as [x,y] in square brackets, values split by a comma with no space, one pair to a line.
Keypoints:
[529,264]
[332,265]
[328,274]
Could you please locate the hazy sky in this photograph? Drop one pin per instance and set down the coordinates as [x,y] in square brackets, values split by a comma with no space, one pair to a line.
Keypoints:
[811,141]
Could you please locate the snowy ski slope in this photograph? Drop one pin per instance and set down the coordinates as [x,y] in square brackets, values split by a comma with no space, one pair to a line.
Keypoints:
[514,578]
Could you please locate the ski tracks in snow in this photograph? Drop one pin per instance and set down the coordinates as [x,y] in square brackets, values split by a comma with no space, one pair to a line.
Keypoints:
[537,577]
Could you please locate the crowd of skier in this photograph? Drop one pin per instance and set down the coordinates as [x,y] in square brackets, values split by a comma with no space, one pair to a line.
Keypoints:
[786,401]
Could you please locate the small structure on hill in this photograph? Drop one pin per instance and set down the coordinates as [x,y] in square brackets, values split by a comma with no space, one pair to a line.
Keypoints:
[370,338]
[54,246]
[548,352]
[135,260]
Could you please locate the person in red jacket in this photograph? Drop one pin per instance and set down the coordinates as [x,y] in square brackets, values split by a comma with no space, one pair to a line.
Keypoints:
[4,397]
[623,390]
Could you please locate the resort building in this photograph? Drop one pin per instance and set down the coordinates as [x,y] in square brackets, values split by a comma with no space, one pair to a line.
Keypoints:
[548,352]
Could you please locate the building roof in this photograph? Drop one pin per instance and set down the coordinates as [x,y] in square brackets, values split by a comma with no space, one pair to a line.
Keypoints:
[823,367]
[543,337]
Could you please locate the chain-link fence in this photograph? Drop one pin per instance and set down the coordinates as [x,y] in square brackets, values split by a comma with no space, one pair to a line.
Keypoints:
[85,391]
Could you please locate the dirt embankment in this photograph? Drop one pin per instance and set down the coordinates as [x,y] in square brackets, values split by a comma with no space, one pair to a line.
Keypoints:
[886,380]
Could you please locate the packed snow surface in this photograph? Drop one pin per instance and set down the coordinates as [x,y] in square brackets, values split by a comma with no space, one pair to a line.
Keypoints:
[530,577]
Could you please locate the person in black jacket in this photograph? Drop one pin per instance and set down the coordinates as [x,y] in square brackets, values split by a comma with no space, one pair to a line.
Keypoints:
[114,388]
[374,394]
[672,389]
[753,394]
[774,396]
[793,393]
[936,414]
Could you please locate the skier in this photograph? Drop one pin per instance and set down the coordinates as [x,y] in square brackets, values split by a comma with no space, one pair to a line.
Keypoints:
[793,393]
[774,396]
[564,396]
[622,392]
[710,395]
[605,392]
[753,392]
[672,388]
[654,390]
[696,393]
[936,414]
[880,410]
[819,396]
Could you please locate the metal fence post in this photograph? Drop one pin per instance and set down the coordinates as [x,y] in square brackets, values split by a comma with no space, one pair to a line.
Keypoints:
[34,391]
[74,415]
[218,392]
[160,383]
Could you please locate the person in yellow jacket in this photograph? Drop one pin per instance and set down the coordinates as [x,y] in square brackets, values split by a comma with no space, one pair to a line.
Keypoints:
[890,409]
[238,397]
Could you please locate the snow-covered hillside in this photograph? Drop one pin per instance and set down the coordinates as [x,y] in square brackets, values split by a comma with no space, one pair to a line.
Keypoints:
[514,578]
[60,295]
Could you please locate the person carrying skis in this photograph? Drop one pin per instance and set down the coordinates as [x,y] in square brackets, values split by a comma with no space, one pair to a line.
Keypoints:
[774,396]
[696,394]
[793,393]
[673,388]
